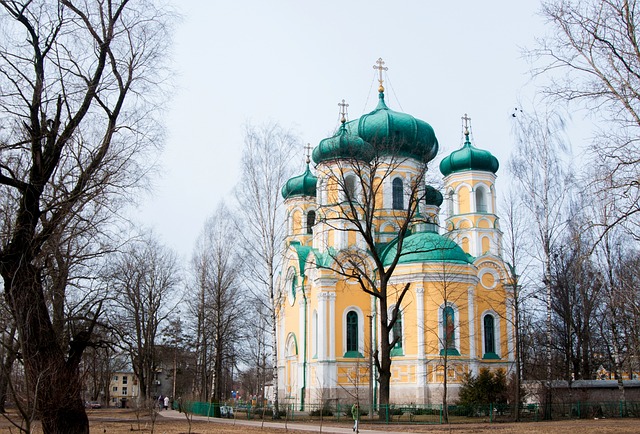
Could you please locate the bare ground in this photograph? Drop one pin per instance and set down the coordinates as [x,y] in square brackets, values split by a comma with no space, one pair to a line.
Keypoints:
[115,421]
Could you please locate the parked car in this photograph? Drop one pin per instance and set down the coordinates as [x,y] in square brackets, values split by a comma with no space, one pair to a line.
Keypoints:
[93,404]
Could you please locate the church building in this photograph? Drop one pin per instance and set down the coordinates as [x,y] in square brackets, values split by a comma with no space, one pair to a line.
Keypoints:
[456,315]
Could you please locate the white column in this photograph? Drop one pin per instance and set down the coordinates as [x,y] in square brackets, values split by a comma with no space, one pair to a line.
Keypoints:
[301,330]
[322,326]
[510,346]
[421,369]
[332,325]
[420,320]
[472,326]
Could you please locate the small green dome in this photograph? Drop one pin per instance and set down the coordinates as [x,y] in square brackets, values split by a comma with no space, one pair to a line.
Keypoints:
[342,145]
[398,133]
[426,247]
[433,196]
[301,185]
[469,158]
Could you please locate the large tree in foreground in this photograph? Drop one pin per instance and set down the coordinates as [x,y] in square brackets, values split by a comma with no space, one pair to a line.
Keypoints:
[353,201]
[77,81]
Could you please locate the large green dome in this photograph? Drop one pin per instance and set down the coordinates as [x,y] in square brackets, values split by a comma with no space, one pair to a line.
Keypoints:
[342,145]
[426,247]
[469,158]
[301,185]
[398,133]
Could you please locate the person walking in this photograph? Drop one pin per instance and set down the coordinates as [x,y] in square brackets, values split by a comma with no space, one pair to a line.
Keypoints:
[355,412]
[166,403]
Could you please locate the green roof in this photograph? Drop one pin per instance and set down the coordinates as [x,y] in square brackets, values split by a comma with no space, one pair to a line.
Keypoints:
[343,145]
[302,185]
[469,158]
[426,247]
[433,196]
[398,133]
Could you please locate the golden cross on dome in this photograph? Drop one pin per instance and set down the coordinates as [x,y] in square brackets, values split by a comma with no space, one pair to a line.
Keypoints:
[308,149]
[467,120]
[343,111]
[379,66]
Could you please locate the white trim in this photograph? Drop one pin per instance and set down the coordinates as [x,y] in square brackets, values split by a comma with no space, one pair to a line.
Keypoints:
[496,331]
[358,311]
[472,330]
[402,334]
[314,333]
[456,329]
[331,296]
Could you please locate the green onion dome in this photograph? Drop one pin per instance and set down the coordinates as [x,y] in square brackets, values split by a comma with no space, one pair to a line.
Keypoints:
[427,246]
[398,133]
[301,185]
[469,158]
[433,196]
[343,145]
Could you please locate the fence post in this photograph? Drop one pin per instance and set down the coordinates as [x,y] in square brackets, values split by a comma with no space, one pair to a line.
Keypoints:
[620,408]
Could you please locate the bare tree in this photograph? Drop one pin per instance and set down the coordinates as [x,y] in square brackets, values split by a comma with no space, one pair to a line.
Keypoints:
[218,263]
[79,82]
[515,240]
[543,183]
[145,280]
[592,56]
[265,169]
[354,205]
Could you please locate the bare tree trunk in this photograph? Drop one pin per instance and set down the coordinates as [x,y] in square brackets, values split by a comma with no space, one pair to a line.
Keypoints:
[54,379]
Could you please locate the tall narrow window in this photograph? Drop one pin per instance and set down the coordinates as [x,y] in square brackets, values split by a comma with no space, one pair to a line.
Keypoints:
[398,194]
[311,220]
[350,188]
[481,205]
[397,334]
[489,335]
[449,328]
[352,331]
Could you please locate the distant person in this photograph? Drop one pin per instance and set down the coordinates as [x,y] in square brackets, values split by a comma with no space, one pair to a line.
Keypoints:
[355,412]
[160,402]
[166,402]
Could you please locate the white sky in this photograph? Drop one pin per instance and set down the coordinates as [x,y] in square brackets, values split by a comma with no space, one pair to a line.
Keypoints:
[293,61]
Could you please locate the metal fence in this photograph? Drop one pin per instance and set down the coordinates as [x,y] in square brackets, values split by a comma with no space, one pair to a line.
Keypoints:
[416,413]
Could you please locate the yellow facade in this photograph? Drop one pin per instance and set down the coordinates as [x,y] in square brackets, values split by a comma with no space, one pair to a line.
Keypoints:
[455,317]
[314,314]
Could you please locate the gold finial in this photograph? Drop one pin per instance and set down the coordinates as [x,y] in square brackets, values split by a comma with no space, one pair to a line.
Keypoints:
[466,120]
[380,68]
[308,148]
[343,111]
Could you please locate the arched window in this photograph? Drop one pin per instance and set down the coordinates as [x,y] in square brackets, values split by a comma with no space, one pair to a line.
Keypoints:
[449,328]
[398,194]
[352,331]
[311,220]
[481,204]
[350,188]
[489,335]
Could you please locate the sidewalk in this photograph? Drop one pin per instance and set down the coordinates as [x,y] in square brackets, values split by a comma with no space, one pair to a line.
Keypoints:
[292,426]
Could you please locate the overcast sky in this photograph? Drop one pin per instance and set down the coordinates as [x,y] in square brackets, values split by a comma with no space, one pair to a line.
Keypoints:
[292,62]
